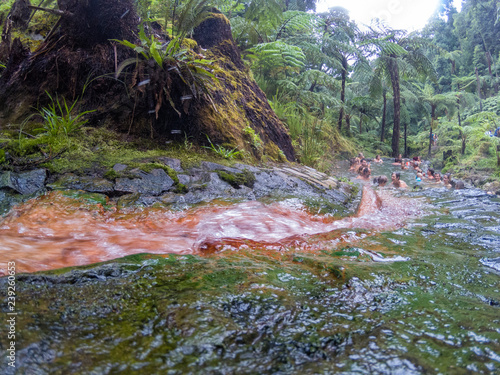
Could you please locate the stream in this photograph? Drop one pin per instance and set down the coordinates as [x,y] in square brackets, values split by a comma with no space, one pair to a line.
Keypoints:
[408,285]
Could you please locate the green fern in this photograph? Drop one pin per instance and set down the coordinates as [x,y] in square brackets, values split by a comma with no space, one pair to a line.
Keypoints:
[278,56]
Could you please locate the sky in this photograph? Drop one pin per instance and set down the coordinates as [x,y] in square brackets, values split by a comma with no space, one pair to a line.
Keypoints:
[410,15]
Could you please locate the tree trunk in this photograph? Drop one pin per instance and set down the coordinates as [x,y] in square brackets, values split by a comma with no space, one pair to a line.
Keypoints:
[384,107]
[342,91]
[405,152]
[479,91]
[348,123]
[488,59]
[463,138]
[394,73]
[360,123]
[433,111]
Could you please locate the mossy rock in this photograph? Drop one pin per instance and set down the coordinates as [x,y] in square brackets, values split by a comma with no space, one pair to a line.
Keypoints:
[236,180]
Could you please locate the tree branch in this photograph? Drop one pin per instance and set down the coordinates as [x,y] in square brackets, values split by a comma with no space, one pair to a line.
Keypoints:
[57,12]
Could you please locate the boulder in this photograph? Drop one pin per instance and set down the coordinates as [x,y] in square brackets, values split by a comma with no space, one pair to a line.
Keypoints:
[87,183]
[153,183]
[25,183]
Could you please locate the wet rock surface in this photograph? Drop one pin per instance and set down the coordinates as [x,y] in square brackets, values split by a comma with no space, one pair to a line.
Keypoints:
[173,185]
[24,183]
[187,310]
[153,183]
[333,310]
[18,187]
[71,181]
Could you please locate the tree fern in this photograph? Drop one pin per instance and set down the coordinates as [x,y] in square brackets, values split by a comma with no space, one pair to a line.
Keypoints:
[277,56]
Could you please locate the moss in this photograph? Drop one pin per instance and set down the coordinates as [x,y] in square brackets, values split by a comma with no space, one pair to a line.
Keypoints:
[189,43]
[253,137]
[273,152]
[148,167]
[99,149]
[350,252]
[245,178]
[111,174]
[242,116]
[224,277]
[181,189]
[92,198]
[219,16]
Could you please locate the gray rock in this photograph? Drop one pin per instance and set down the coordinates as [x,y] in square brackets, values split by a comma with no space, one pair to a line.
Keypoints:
[175,164]
[119,167]
[249,168]
[184,179]
[154,183]
[87,183]
[210,166]
[493,187]
[25,183]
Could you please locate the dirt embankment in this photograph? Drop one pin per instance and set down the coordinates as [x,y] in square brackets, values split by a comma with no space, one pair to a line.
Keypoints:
[78,59]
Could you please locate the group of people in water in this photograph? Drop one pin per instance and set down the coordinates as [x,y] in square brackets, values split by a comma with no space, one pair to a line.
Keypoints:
[361,166]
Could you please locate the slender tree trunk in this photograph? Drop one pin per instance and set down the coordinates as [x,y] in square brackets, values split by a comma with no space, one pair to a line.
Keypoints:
[479,91]
[458,112]
[463,138]
[488,59]
[405,153]
[342,91]
[360,123]
[384,107]
[433,111]
[394,73]
[348,123]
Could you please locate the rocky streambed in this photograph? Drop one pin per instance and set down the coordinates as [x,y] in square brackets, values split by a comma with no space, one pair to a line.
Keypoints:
[288,275]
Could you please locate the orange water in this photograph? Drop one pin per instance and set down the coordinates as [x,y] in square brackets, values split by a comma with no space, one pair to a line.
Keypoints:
[54,231]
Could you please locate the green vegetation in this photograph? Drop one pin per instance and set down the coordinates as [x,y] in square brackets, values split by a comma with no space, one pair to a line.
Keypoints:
[58,117]
[223,151]
[174,60]
[336,87]
[237,179]
[91,150]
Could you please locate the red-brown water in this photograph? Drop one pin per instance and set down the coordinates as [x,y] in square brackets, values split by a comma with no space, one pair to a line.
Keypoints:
[55,231]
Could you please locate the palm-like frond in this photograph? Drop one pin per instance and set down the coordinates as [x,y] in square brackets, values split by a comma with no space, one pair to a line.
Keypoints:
[191,15]
[278,56]
[294,22]
[264,10]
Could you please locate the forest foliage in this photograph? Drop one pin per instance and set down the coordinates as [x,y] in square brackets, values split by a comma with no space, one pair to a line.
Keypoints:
[342,87]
